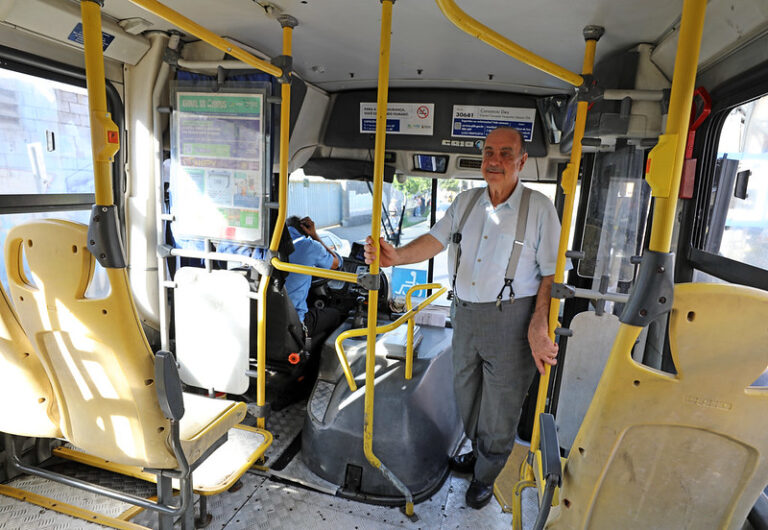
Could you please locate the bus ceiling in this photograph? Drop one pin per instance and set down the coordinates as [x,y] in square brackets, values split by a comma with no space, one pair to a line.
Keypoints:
[427,50]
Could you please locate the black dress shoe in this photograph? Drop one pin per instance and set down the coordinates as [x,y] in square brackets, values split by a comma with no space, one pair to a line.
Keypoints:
[464,463]
[478,494]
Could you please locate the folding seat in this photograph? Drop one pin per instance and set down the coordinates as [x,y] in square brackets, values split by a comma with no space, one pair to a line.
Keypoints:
[117,400]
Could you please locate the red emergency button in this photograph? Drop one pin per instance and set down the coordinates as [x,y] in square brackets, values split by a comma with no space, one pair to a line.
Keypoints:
[112,137]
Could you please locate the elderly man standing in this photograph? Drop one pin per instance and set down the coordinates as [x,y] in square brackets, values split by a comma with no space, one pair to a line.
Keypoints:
[503,242]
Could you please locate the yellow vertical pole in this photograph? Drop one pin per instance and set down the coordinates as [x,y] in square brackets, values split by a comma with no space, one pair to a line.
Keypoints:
[378,183]
[568,183]
[665,161]
[378,179]
[373,295]
[288,23]
[105,140]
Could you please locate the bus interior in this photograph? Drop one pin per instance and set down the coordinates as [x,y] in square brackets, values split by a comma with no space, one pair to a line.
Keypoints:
[154,371]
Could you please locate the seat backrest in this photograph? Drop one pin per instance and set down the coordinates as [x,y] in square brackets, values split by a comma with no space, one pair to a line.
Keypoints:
[94,350]
[685,450]
[27,403]
[285,332]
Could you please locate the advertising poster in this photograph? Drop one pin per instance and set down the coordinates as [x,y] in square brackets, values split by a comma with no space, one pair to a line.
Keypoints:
[217,172]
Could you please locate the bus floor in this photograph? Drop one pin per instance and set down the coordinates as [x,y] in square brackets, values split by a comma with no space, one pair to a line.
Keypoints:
[292,497]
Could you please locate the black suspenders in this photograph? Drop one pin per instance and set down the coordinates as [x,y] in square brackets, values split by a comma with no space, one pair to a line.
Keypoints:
[517,247]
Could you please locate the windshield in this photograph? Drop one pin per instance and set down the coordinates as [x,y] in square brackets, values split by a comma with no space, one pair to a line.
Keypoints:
[341,210]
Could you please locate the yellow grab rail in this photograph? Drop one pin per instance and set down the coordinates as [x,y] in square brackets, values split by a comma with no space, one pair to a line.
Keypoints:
[471,26]
[314,271]
[408,306]
[105,140]
[568,183]
[287,23]
[193,28]
[359,332]
[373,295]
[665,161]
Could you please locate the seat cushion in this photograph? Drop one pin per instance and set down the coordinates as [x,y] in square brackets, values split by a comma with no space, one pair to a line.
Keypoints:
[206,420]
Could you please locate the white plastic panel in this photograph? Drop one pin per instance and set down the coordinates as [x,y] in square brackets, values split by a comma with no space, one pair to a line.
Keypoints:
[587,353]
[58,20]
[212,329]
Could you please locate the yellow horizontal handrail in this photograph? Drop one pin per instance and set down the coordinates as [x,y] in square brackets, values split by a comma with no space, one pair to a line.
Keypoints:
[193,28]
[314,271]
[382,329]
[471,26]
[408,306]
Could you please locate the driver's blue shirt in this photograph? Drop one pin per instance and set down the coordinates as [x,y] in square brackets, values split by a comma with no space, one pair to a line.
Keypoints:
[307,252]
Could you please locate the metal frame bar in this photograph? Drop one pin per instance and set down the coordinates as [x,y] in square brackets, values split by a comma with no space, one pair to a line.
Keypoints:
[15,462]
[69,509]
[53,202]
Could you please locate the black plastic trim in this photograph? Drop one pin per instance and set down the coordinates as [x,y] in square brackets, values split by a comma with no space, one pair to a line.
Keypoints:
[104,239]
[168,385]
[383,500]
[550,448]
[728,269]
[653,291]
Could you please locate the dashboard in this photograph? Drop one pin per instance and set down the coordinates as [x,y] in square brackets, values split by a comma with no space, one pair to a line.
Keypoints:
[344,295]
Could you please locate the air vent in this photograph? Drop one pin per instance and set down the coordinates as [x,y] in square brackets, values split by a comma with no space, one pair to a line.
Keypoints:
[470,163]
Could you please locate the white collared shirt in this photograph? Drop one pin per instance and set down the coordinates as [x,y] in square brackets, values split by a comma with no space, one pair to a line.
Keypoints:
[486,244]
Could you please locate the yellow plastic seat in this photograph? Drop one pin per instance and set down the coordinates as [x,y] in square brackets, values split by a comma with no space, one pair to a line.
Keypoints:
[685,450]
[96,355]
[27,404]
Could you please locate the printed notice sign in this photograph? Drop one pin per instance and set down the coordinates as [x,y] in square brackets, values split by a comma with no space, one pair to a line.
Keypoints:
[402,118]
[475,121]
[217,171]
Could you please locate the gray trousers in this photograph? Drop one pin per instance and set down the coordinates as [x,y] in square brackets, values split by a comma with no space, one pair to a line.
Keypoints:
[493,368]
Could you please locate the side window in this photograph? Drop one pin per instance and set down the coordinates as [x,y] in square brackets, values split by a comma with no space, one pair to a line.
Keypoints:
[47,142]
[46,167]
[738,208]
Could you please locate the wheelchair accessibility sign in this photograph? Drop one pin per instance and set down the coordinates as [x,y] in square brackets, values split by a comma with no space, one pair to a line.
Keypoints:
[403,279]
